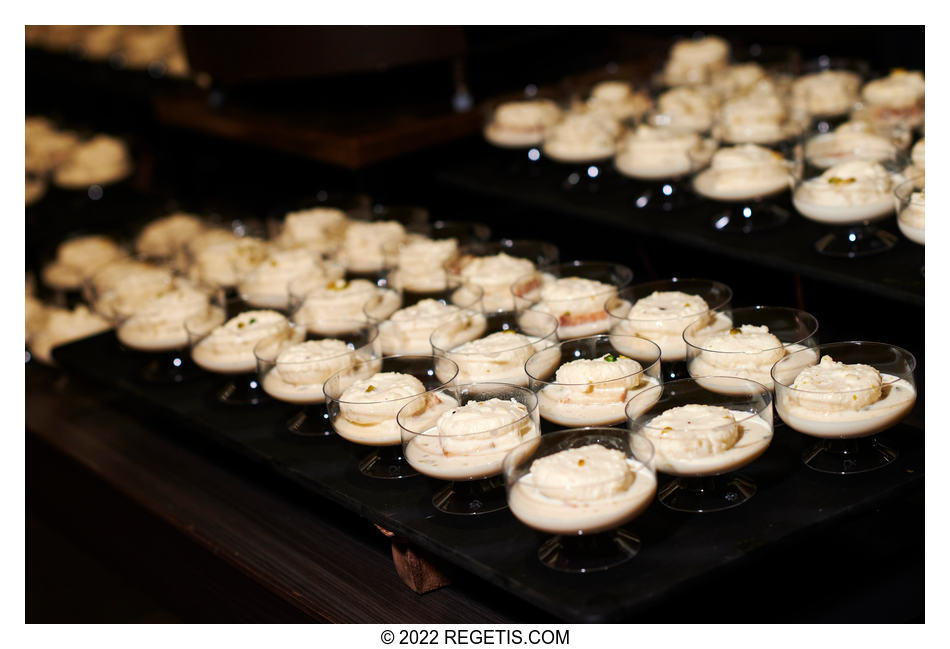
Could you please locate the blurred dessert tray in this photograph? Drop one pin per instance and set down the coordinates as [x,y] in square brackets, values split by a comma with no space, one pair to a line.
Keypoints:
[680,552]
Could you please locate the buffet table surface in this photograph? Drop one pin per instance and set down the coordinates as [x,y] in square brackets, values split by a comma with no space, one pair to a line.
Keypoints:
[224,540]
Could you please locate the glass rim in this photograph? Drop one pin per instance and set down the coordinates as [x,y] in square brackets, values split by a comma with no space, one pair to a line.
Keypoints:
[486,314]
[754,309]
[610,306]
[763,392]
[540,271]
[529,415]
[436,360]
[642,371]
[909,186]
[852,344]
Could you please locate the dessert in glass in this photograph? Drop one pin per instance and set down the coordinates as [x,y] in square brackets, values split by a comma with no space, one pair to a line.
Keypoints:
[738,79]
[910,210]
[857,390]
[320,304]
[76,259]
[220,257]
[156,327]
[495,345]
[266,286]
[759,117]
[519,127]
[294,369]
[588,381]
[917,165]
[61,326]
[119,287]
[657,155]
[701,436]
[364,399]
[580,145]
[851,140]
[495,265]
[693,61]
[829,89]
[851,196]
[407,330]
[163,238]
[660,311]
[618,99]
[897,99]
[583,485]
[419,266]
[688,108]
[744,180]
[226,346]
[758,337]
[464,436]
[574,293]
[94,165]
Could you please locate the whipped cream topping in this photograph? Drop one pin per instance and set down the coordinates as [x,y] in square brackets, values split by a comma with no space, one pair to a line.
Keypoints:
[165,236]
[483,427]
[737,79]
[757,118]
[854,140]
[420,264]
[743,171]
[159,320]
[77,259]
[757,346]
[379,397]
[832,386]
[267,284]
[334,300]
[495,274]
[899,89]
[408,330]
[582,137]
[498,356]
[318,228]
[128,292]
[914,214]
[693,431]
[224,263]
[312,362]
[826,93]
[46,146]
[693,61]
[62,326]
[100,160]
[688,108]
[363,243]
[618,100]
[856,182]
[234,341]
[659,152]
[522,123]
[599,380]
[583,474]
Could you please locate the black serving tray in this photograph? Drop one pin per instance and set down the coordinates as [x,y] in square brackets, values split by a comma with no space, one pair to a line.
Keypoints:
[679,551]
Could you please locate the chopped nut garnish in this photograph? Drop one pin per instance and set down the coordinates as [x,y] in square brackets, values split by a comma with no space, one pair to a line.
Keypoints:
[580,462]
[610,358]
[834,180]
[735,331]
[371,388]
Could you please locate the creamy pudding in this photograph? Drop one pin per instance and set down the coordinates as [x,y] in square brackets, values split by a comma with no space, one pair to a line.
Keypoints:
[318,228]
[743,172]
[98,161]
[158,323]
[854,140]
[324,306]
[576,302]
[582,137]
[581,490]
[498,357]
[840,400]
[363,242]
[266,286]
[420,264]
[518,124]
[694,61]
[827,93]
[470,441]
[737,79]
[407,331]
[121,295]
[911,219]
[494,274]
[618,100]
[688,108]
[849,192]
[62,326]
[897,98]
[300,370]
[77,259]
[654,153]
[164,237]
[229,348]
[592,392]
[701,440]
[756,118]
[224,258]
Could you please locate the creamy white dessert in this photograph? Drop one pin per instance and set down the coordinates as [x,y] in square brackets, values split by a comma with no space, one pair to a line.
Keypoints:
[266,285]
[701,440]
[158,322]
[229,348]
[854,140]
[839,400]
[328,306]
[522,123]
[827,93]
[618,100]
[694,61]
[743,172]
[471,441]
[494,274]
[662,317]
[224,258]
[362,250]
[120,295]
[757,118]
[318,228]
[407,331]
[737,79]
[46,146]
[745,351]
[582,137]
[35,189]
[587,489]
[368,407]
[917,159]
[98,161]
[420,264]
[62,326]
[688,108]
[164,237]
[576,302]
[653,153]
[35,314]
[593,392]
[79,258]
[848,192]
[497,357]
[301,369]
[911,219]
[896,98]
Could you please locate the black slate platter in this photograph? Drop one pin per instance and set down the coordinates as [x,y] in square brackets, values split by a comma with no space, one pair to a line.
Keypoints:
[679,551]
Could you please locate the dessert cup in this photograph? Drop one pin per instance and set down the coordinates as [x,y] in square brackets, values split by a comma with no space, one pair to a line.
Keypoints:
[321,305]
[574,293]
[495,345]
[452,440]
[242,387]
[846,436]
[373,423]
[301,381]
[823,148]
[267,284]
[469,267]
[407,331]
[702,455]
[794,329]
[612,370]
[812,97]
[365,259]
[418,267]
[161,337]
[746,195]
[910,209]
[517,146]
[852,197]
[612,480]
[663,323]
